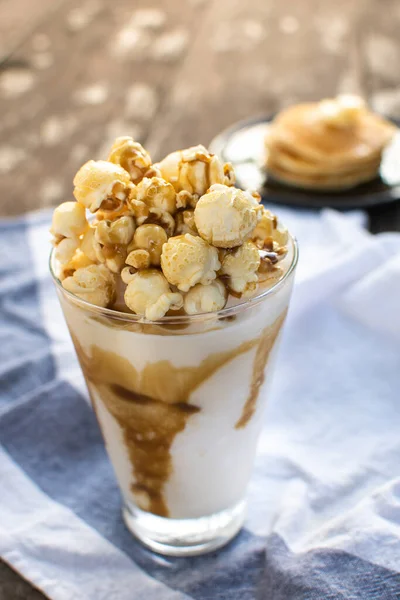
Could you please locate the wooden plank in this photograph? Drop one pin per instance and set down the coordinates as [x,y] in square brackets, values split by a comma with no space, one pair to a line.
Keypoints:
[98,70]
[13,587]
[18,18]
[253,58]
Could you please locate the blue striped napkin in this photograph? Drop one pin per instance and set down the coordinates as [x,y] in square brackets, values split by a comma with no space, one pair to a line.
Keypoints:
[324,502]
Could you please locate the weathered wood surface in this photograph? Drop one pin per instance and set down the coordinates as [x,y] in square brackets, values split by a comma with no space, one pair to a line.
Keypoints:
[76,73]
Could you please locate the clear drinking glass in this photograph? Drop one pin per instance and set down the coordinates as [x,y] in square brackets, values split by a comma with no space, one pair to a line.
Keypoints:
[180,403]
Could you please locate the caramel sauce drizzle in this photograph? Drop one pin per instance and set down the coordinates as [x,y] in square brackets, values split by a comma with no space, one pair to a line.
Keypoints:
[267,342]
[153,405]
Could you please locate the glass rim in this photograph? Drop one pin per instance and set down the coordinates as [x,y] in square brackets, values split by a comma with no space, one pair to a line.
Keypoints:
[223,313]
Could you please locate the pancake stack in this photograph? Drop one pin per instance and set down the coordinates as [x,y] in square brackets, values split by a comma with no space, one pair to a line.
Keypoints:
[330,145]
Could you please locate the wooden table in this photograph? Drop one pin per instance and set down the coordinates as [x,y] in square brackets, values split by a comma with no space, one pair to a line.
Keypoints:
[77,73]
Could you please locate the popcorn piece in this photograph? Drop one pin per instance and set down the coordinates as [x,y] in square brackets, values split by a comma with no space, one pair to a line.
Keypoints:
[131,156]
[268,230]
[226,216]
[156,193]
[160,217]
[119,231]
[195,170]
[185,199]
[187,260]
[148,294]
[101,184]
[205,298]
[113,256]
[342,111]
[241,267]
[88,243]
[69,220]
[78,260]
[127,274]
[139,209]
[184,223]
[267,271]
[65,249]
[139,259]
[94,283]
[151,238]
[112,212]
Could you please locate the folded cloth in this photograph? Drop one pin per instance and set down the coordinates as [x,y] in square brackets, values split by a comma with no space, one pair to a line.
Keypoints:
[324,502]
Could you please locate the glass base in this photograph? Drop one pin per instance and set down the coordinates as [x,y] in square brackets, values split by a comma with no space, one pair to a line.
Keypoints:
[184,537]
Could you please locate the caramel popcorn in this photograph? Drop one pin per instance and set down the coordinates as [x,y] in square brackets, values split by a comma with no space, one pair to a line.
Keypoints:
[164,219]
[226,216]
[150,238]
[65,249]
[176,225]
[184,223]
[139,209]
[77,261]
[195,170]
[101,184]
[156,193]
[119,231]
[139,259]
[241,266]
[131,156]
[269,229]
[187,260]
[88,243]
[185,199]
[94,283]
[205,298]
[127,274]
[148,294]
[69,221]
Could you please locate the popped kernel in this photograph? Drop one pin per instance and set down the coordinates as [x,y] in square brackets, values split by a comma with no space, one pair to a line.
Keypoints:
[269,229]
[127,273]
[139,209]
[151,238]
[131,156]
[93,283]
[65,249]
[157,216]
[185,199]
[119,231]
[194,170]
[101,184]
[113,256]
[156,193]
[205,298]
[139,259]
[88,243]
[77,261]
[69,220]
[241,266]
[187,260]
[226,216]
[148,294]
[184,223]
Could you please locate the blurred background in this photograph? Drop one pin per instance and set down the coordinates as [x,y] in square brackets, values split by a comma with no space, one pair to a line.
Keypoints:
[75,74]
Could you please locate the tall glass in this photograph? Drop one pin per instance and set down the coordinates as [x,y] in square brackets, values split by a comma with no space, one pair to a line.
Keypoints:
[180,403]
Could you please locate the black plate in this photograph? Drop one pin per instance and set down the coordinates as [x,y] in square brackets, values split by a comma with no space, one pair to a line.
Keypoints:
[243,146]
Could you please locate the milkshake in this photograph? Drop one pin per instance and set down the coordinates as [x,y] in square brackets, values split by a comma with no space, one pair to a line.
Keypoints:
[175,292]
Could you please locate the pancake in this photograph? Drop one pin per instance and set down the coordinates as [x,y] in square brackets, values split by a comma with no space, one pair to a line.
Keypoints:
[290,160]
[333,144]
[321,182]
